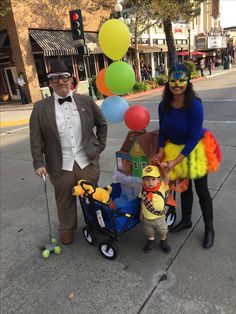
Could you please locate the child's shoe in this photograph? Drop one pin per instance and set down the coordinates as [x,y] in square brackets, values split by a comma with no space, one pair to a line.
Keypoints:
[165,246]
[149,246]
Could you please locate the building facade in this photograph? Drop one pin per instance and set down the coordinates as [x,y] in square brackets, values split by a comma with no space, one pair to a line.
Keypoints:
[34,33]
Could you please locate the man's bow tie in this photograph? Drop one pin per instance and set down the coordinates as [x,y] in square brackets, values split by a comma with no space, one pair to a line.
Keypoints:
[61,100]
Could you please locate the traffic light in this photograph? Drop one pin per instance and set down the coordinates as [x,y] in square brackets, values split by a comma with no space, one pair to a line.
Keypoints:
[76,22]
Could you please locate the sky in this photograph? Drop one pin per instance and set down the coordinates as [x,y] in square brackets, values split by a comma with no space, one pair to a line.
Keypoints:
[228,13]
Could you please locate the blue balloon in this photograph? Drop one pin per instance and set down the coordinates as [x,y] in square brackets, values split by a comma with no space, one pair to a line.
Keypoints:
[114,108]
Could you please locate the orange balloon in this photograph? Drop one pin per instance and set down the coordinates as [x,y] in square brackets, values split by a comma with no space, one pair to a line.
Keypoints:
[101,85]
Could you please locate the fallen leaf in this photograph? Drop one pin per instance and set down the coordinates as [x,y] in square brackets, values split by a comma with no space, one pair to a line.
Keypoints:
[71,295]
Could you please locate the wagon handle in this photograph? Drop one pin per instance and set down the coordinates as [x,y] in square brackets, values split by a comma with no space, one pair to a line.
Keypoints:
[86,190]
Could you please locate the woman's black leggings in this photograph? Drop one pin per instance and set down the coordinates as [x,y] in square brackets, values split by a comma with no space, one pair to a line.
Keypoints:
[203,194]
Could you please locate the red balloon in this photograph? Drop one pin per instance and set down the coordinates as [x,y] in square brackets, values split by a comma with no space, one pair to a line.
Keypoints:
[101,85]
[137,118]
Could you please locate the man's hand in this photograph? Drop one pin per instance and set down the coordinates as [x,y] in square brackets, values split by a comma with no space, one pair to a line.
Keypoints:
[41,171]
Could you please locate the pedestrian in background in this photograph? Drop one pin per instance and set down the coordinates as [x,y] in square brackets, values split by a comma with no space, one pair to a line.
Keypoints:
[209,65]
[20,83]
[189,150]
[67,134]
[202,66]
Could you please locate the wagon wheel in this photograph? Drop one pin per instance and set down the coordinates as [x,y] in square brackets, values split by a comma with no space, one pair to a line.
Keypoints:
[170,217]
[107,250]
[89,235]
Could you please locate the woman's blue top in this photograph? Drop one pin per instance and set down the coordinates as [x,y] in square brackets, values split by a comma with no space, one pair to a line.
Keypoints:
[182,126]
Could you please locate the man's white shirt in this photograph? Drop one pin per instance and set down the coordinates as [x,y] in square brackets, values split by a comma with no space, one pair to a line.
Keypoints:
[70,132]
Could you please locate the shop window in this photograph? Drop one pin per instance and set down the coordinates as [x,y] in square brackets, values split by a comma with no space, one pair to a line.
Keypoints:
[92,65]
[41,70]
[68,62]
[100,59]
[81,68]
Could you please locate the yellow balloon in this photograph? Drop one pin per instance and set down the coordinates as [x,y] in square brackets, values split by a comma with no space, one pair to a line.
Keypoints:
[114,39]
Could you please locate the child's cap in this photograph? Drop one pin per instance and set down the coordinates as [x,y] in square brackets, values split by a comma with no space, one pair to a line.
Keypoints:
[151,171]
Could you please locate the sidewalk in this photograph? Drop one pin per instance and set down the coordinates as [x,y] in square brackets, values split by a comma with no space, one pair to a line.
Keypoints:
[16,114]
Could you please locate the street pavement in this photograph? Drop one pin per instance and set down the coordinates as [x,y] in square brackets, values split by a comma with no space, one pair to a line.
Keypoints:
[190,280]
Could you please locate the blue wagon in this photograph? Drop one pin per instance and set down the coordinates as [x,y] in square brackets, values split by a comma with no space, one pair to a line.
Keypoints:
[112,222]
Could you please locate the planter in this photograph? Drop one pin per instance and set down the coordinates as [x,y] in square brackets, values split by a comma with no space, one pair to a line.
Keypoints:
[4,97]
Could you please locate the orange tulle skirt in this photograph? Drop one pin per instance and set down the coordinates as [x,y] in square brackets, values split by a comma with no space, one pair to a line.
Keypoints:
[205,157]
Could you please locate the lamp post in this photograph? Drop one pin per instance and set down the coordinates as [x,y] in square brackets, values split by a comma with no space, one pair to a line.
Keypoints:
[189,48]
[228,60]
[120,15]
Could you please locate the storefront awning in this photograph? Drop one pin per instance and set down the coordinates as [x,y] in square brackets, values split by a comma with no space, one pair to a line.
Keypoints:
[148,48]
[59,42]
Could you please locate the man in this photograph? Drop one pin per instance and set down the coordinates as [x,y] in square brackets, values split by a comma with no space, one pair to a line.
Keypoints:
[63,143]
[20,82]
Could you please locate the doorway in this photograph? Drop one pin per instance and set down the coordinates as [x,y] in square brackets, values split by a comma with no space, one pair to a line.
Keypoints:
[11,77]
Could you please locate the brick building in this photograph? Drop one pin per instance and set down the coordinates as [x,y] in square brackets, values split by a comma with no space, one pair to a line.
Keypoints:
[34,33]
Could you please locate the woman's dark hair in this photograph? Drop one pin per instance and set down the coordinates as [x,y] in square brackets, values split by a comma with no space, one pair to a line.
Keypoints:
[189,93]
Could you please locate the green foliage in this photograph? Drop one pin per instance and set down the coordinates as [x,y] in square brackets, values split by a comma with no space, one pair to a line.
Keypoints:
[139,87]
[5,7]
[191,66]
[151,83]
[194,75]
[162,79]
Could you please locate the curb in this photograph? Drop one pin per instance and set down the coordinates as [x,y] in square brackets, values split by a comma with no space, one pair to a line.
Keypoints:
[99,102]
[4,124]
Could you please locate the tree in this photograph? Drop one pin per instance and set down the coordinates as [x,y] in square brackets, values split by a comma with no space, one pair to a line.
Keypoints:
[4,7]
[147,13]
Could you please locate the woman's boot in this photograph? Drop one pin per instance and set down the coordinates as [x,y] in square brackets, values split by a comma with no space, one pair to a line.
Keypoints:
[186,208]
[207,213]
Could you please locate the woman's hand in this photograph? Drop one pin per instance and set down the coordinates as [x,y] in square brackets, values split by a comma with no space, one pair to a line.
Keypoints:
[157,159]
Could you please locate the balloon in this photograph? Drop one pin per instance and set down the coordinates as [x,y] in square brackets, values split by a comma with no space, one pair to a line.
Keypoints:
[101,85]
[114,108]
[137,118]
[120,77]
[114,39]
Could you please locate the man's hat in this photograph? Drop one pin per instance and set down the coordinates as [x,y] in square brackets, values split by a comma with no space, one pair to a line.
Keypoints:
[151,171]
[58,67]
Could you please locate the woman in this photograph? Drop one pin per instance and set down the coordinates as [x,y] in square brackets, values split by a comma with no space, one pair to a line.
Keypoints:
[189,150]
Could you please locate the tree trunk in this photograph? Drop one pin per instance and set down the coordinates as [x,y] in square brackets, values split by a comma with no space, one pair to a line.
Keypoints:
[170,42]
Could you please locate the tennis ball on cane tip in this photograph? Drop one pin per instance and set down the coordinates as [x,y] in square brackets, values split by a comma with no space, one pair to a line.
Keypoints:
[46,254]
[54,241]
[57,250]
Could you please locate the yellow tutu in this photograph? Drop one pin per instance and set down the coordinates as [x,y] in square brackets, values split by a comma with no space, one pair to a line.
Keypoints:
[200,161]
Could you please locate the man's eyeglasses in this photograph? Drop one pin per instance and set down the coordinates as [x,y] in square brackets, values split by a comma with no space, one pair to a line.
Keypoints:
[64,78]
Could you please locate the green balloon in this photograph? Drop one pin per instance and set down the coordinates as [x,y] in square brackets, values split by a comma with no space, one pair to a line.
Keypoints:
[120,78]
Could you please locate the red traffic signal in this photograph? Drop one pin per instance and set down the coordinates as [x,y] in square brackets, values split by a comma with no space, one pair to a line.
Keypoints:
[75,17]
[76,24]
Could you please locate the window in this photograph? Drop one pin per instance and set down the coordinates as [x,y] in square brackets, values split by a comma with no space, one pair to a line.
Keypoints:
[143,164]
[135,165]
[81,67]
[41,70]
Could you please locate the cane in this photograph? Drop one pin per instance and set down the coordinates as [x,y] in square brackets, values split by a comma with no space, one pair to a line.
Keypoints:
[52,245]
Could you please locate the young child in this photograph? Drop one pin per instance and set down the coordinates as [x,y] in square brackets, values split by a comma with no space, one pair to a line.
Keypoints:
[153,195]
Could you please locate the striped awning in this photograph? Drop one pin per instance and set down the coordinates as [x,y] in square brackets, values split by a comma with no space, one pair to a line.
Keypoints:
[60,42]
